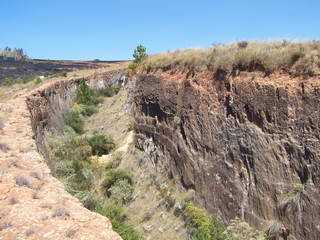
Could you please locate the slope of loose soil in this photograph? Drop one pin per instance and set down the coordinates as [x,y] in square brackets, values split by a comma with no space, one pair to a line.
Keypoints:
[148,210]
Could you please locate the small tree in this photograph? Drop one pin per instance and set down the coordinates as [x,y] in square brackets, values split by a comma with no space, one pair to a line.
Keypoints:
[139,54]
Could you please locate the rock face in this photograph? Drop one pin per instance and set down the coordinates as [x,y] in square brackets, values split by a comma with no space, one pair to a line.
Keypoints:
[33,204]
[248,145]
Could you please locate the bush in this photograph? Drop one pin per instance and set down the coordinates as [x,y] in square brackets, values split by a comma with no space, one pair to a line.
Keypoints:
[70,159]
[74,120]
[202,226]
[114,175]
[121,191]
[85,110]
[112,210]
[118,219]
[88,199]
[37,81]
[83,177]
[101,144]
[126,231]
[85,95]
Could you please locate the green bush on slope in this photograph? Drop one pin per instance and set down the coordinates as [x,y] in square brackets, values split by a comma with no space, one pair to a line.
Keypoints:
[74,120]
[202,226]
[101,144]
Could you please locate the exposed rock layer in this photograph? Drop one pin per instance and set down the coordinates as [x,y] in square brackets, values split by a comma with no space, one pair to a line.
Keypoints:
[248,145]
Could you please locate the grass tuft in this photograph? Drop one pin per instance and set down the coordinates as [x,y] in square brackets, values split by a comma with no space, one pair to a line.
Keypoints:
[23,181]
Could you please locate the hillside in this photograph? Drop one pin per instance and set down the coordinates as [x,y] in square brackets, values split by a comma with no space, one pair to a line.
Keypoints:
[23,71]
[201,144]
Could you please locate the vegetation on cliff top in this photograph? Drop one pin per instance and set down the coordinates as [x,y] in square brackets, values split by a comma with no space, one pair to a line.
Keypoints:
[298,59]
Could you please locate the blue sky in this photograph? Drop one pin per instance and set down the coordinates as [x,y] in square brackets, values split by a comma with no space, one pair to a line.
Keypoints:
[79,29]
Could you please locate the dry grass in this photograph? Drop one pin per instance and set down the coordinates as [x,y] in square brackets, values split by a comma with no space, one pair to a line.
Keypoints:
[296,58]
[60,212]
[243,231]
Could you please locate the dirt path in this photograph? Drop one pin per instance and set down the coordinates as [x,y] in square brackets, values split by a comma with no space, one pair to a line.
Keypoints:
[33,204]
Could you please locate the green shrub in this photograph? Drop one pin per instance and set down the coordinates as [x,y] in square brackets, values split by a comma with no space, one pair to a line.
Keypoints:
[67,152]
[112,210]
[88,199]
[101,144]
[139,55]
[83,177]
[121,191]
[114,175]
[63,168]
[37,81]
[133,66]
[70,148]
[85,95]
[74,120]
[126,231]
[84,110]
[110,91]
[70,161]
[202,226]
[118,219]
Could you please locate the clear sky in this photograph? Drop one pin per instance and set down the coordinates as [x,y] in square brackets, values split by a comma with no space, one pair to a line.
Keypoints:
[105,29]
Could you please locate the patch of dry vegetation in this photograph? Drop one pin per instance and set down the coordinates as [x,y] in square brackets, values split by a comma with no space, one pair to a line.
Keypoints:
[298,59]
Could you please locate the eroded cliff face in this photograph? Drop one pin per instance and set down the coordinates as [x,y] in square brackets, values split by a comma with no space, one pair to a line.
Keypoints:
[34,204]
[48,104]
[248,145]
